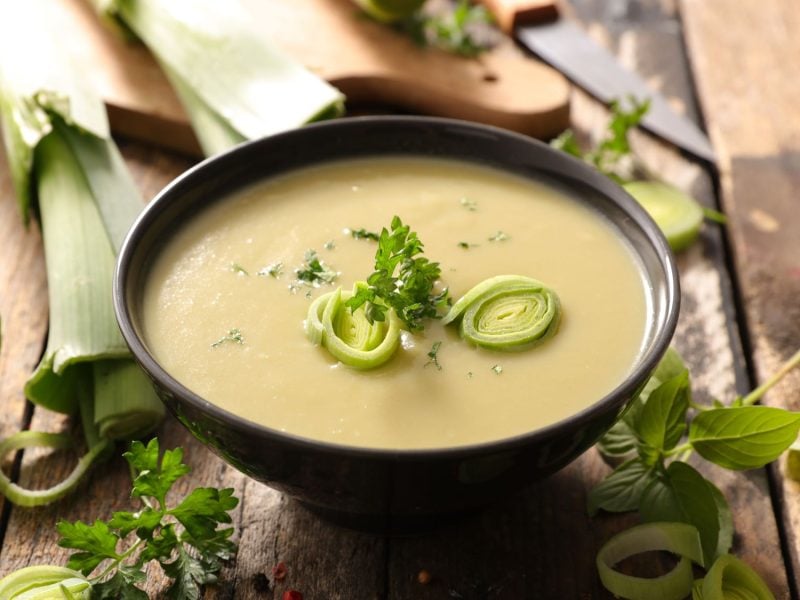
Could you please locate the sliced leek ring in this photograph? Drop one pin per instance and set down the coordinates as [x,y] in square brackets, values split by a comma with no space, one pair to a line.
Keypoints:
[677,215]
[507,313]
[348,335]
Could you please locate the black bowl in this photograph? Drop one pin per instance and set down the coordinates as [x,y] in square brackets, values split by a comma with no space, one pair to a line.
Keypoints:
[375,489]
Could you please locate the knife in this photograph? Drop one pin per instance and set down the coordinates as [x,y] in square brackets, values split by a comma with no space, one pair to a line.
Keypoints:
[565,46]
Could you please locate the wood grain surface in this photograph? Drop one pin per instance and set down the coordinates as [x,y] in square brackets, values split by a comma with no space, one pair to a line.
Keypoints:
[539,544]
[754,119]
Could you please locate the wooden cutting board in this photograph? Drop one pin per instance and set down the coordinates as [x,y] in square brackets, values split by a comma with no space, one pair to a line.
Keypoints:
[367,61]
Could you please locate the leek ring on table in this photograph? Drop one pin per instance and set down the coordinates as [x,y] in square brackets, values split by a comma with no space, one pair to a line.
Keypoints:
[348,335]
[507,312]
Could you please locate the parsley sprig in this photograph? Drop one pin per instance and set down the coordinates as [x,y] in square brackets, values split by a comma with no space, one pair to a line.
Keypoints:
[403,280]
[314,272]
[612,155]
[184,538]
[462,30]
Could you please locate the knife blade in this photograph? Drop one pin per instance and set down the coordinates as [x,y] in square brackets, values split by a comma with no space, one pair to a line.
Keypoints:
[566,47]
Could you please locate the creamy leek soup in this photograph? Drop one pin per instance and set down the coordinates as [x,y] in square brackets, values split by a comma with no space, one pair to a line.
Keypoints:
[224,312]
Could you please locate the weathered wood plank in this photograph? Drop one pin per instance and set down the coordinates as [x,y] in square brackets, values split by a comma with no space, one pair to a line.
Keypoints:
[23,307]
[542,544]
[743,54]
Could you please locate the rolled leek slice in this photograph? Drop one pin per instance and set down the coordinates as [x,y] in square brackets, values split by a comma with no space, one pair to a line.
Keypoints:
[507,313]
[678,538]
[729,577]
[348,335]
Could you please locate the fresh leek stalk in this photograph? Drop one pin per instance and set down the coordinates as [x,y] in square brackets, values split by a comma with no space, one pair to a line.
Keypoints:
[67,170]
[233,85]
[348,335]
[507,313]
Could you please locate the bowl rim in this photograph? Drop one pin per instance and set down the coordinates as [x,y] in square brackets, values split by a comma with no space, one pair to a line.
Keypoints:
[646,361]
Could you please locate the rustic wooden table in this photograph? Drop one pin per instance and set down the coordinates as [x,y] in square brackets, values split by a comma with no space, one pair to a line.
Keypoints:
[726,63]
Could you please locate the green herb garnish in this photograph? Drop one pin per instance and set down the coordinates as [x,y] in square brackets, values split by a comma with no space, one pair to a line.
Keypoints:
[239,269]
[363,234]
[457,31]
[499,237]
[658,434]
[315,272]
[233,335]
[329,245]
[433,355]
[468,203]
[467,245]
[608,155]
[497,369]
[402,280]
[273,270]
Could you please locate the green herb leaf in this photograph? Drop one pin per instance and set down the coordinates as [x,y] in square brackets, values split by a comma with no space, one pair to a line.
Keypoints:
[498,369]
[618,441]
[273,270]
[499,237]
[96,542]
[150,478]
[622,490]
[239,269]
[402,280]
[192,555]
[234,335]
[745,437]
[662,420]
[143,522]
[315,272]
[609,154]
[453,32]
[683,495]
[433,355]
[363,234]
[468,203]
[189,574]
[122,586]
[203,509]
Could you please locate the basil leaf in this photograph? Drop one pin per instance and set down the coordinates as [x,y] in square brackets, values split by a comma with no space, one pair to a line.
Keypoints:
[637,405]
[683,495]
[670,365]
[618,441]
[622,489]
[725,520]
[662,420]
[745,437]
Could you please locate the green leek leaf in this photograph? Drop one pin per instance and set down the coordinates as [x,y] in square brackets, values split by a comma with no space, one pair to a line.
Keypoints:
[234,86]
[677,538]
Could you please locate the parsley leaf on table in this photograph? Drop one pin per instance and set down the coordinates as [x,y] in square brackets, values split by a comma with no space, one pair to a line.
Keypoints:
[186,539]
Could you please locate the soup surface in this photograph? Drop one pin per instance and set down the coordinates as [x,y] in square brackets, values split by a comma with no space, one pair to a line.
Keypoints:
[224,312]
